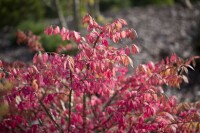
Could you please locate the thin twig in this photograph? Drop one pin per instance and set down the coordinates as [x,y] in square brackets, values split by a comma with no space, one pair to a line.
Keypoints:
[49,115]
[69,105]
[84,112]
[95,43]
[96,127]
[110,100]
[69,115]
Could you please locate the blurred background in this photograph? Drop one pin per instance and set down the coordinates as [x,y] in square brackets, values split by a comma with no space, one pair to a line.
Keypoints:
[163,27]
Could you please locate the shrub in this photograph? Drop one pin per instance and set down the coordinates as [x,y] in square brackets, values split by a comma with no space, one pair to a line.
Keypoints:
[50,44]
[92,92]
[113,4]
[37,27]
[118,4]
[13,12]
[154,2]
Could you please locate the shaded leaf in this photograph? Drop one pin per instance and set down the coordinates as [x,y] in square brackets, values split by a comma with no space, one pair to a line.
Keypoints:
[190,67]
[130,61]
[185,79]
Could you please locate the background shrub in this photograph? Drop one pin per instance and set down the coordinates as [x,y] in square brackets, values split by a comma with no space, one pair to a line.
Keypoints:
[13,12]
[149,2]
[118,4]
[113,4]
[35,27]
[49,43]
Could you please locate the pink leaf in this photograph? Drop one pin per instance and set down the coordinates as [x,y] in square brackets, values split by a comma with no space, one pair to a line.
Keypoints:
[115,39]
[63,30]
[173,58]
[77,36]
[118,25]
[49,30]
[56,30]
[45,57]
[66,36]
[123,34]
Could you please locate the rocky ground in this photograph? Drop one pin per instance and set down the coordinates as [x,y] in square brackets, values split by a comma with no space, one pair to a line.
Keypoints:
[161,31]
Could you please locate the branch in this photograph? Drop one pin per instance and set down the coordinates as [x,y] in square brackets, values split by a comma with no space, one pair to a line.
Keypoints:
[95,43]
[69,115]
[49,115]
[112,98]
[96,127]
[84,112]
[69,105]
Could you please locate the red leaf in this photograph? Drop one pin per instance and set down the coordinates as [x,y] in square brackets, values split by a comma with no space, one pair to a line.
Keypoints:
[1,64]
[127,50]
[132,35]
[135,49]
[86,19]
[105,42]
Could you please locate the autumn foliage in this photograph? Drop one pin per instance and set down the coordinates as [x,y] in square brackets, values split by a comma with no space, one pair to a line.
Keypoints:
[92,92]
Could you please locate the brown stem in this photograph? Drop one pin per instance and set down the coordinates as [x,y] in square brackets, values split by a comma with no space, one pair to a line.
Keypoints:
[93,111]
[69,115]
[50,116]
[95,43]
[70,100]
[84,112]
[110,100]
[109,118]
